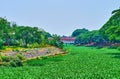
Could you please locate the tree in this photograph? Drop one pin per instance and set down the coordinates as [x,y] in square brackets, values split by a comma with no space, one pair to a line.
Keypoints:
[5,30]
[1,43]
[111,29]
[55,41]
[90,37]
[13,35]
[77,32]
[116,11]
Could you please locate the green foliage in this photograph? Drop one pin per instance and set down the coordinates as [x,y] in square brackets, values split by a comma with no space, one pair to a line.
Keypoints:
[111,29]
[112,47]
[20,56]
[1,43]
[6,58]
[13,35]
[55,41]
[116,11]
[16,62]
[0,59]
[89,37]
[77,32]
[13,61]
[35,45]
[118,48]
[79,63]
[15,42]
[37,62]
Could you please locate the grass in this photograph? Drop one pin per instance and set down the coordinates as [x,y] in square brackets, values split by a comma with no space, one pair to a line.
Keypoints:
[79,63]
[12,48]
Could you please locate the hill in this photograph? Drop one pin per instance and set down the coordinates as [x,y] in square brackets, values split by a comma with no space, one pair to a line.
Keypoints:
[111,29]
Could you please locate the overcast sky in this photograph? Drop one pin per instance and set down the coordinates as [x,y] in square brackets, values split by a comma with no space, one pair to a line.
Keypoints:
[60,17]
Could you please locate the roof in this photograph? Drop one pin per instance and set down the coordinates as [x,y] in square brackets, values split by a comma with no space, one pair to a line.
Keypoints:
[68,39]
[65,38]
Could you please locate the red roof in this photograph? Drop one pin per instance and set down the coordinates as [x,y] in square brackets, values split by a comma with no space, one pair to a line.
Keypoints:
[67,39]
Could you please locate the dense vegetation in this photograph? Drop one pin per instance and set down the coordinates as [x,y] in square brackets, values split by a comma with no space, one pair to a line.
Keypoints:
[12,34]
[111,29]
[109,33]
[55,41]
[80,62]
[89,38]
[16,40]
[77,32]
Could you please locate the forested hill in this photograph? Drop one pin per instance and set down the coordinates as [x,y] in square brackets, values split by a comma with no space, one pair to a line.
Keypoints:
[111,29]
[113,21]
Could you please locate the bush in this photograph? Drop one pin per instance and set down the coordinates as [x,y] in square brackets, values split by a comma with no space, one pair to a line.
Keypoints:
[1,43]
[0,59]
[44,57]
[19,62]
[14,42]
[16,62]
[13,64]
[60,44]
[99,47]
[35,45]
[20,56]
[17,50]
[55,41]
[6,58]
[118,48]
[13,61]
[112,47]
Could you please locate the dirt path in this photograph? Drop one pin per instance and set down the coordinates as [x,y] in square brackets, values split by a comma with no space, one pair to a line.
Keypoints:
[36,52]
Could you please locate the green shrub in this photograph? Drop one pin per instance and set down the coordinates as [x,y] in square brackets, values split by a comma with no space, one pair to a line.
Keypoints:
[15,42]
[0,59]
[19,62]
[13,64]
[35,45]
[55,41]
[16,62]
[112,47]
[118,48]
[6,58]
[1,43]
[11,61]
[44,57]
[20,56]
[17,50]
[99,47]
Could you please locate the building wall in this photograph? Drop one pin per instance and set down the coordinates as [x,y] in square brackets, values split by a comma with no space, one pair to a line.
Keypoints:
[68,42]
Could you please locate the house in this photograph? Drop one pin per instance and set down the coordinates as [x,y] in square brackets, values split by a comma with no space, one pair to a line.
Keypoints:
[66,40]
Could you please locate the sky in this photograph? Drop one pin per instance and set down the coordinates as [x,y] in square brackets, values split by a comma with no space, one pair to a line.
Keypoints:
[60,17]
